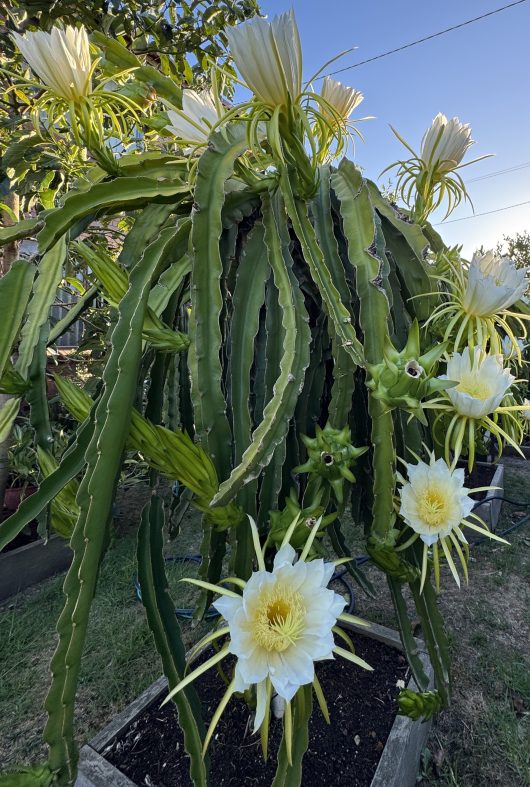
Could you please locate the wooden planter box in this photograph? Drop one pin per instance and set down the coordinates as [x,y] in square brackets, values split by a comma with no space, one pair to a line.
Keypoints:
[397,767]
[509,450]
[30,564]
[489,510]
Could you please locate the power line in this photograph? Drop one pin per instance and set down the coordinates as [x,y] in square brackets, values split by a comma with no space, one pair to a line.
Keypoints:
[515,168]
[422,40]
[486,213]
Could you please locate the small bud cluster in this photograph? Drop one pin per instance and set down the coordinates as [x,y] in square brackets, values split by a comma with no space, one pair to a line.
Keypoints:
[330,457]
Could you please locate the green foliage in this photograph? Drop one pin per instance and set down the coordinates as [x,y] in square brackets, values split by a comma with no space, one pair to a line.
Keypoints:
[517,247]
[39,776]
[174,36]
[64,508]
[165,629]
[264,326]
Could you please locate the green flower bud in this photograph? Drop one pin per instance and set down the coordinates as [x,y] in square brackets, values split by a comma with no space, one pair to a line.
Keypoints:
[330,456]
[390,561]
[417,705]
[403,379]
[308,518]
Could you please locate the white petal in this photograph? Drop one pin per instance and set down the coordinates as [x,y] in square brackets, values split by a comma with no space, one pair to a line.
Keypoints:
[228,606]
[285,555]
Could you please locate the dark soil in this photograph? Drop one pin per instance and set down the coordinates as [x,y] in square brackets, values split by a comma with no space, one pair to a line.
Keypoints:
[362,707]
[481,475]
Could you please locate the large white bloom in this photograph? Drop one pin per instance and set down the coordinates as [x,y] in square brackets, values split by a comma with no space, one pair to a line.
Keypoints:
[194,121]
[434,500]
[282,624]
[61,59]
[493,284]
[268,56]
[482,382]
[436,505]
[445,143]
[342,99]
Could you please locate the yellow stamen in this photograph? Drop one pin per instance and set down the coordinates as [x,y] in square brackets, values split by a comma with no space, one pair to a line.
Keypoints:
[432,506]
[475,387]
[279,620]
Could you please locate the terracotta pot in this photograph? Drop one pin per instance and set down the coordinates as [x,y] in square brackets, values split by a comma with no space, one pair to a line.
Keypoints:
[15,494]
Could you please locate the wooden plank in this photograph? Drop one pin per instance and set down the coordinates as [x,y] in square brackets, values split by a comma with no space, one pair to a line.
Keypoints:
[30,564]
[95,771]
[398,766]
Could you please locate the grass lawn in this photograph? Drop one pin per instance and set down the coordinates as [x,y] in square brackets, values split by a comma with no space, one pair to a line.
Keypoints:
[482,739]
[120,659]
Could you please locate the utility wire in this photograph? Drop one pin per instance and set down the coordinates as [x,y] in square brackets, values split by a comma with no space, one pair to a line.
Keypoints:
[422,40]
[515,168]
[486,213]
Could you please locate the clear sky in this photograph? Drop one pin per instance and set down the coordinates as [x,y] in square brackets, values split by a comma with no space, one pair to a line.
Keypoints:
[480,73]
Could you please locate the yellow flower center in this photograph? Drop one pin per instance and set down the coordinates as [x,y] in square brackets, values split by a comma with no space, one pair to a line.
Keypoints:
[432,506]
[475,387]
[279,619]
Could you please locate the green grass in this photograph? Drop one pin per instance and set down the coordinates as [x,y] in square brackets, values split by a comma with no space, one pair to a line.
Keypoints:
[120,659]
[484,737]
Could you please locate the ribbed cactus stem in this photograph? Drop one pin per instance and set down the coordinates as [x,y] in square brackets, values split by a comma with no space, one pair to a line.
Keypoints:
[360,231]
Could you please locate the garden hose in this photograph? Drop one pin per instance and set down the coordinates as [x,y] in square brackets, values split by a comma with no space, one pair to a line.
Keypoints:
[186,613]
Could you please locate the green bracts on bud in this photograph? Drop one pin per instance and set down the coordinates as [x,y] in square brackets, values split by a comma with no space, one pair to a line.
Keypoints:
[389,561]
[307,519]
[114,282]
[330,457]
[417,705]
[174,454]
[403,379]
[75,399]
[12,382]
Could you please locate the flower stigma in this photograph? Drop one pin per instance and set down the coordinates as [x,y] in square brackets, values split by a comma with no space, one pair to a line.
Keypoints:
[475,387]
[279,619]
[432,506]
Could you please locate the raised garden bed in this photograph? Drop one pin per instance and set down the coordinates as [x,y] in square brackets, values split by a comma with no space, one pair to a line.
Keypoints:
[32,562]
[366,745]
[487,474]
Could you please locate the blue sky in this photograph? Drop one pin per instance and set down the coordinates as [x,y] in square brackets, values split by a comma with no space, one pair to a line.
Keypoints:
[479,73]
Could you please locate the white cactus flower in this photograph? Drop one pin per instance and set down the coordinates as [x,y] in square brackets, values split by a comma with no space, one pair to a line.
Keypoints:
[268,56]
[61,59]
[282,624]
[509,349]
[445,143]
[482,382]
[434,501]
[194,121]
[493,284]
[342,99]
[436,505]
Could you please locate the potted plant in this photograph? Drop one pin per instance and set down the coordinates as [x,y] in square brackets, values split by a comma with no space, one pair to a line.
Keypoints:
[23,468]
[289,346]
